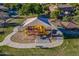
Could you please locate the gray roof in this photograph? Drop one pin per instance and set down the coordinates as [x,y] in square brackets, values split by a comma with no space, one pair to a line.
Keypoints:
[3,7]
[64,6]
[3,15]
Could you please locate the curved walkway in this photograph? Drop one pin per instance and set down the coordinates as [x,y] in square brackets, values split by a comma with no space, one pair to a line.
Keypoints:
[7,41]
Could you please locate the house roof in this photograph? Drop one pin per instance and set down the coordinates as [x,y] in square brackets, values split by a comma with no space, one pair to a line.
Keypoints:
[4,15]
[44,19]
[64,6]
[3,7]
[67,24]
[72,25]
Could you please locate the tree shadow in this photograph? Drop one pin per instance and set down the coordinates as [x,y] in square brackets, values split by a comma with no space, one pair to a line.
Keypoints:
[71,37]
[12,24]
[2,53]
[1,32]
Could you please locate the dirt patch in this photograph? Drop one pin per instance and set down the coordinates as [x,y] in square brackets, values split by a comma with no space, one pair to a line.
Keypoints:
[21,37]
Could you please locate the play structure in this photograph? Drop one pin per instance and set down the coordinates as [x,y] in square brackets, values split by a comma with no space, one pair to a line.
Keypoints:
[36,30]
[41,31]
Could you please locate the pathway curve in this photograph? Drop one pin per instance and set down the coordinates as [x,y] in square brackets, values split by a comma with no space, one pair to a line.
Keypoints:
[7,41]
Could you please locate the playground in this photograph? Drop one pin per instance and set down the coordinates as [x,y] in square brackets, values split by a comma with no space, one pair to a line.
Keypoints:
[38,32]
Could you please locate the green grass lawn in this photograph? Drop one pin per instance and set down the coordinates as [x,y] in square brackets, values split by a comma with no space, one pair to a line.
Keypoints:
[6,32]
[69,47]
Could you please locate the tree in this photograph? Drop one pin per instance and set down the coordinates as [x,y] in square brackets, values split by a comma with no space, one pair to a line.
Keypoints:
[38,9]
[34,8]
[54,14]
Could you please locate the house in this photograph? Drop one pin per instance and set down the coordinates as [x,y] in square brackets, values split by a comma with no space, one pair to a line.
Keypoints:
[3,12]
[65,7]
[66,10]
[3,15]
[68,25]
[3,8]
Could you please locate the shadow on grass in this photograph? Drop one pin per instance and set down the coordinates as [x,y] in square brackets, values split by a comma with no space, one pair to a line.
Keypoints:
[1,32]
[71,37]
[2,53]
[12,24]
[5,25]
[9,25]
